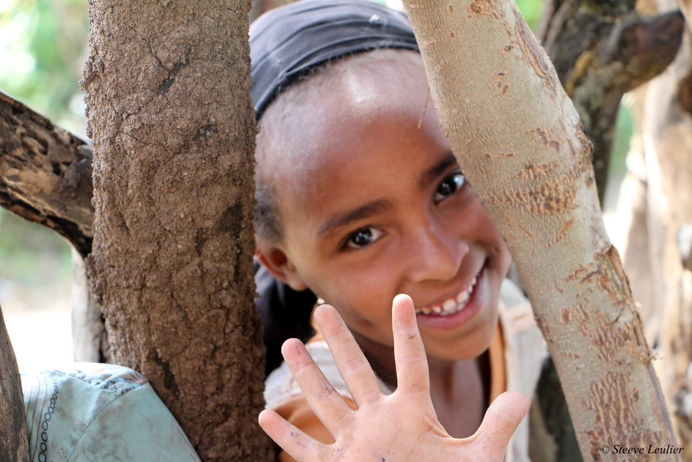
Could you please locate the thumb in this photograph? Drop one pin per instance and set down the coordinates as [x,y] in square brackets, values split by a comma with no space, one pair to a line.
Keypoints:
[501,420]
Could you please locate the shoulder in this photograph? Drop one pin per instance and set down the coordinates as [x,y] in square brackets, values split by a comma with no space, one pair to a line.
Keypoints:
[93,412]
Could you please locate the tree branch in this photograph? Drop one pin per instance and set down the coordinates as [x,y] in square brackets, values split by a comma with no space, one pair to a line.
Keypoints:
[45,173]
[599,58]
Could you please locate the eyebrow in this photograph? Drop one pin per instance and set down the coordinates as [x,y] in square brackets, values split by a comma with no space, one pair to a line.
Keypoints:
[339,220]
[436,170]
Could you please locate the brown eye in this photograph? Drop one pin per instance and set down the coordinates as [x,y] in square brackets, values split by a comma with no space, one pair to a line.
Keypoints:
[363,236]
[450,185]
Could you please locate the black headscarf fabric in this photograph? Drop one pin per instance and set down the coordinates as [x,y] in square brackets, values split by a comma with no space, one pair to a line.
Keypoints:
[288,41]
[285,43]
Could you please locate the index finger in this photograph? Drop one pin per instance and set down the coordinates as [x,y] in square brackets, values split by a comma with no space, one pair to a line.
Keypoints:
[409,352]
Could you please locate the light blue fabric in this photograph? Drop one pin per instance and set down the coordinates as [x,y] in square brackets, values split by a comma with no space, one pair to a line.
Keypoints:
[100,412]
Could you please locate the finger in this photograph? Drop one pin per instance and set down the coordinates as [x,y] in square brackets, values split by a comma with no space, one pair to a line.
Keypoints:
[501,420]
[326,402]
[294,441]
[409,353]
[354,368]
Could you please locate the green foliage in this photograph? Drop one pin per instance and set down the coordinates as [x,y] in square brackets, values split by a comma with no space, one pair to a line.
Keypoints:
[531,10]
[623,134]
[42,51]
[43,48]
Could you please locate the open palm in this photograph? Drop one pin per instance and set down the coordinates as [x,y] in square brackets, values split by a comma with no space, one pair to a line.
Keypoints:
[399,427]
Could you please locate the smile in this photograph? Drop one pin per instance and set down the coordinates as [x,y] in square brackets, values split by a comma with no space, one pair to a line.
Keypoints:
[451,305]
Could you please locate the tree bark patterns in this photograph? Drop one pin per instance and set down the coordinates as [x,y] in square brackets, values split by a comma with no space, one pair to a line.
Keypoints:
[531,168]
[173,127]
[45,173]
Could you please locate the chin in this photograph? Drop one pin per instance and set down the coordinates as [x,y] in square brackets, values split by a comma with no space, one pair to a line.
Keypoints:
[471,345]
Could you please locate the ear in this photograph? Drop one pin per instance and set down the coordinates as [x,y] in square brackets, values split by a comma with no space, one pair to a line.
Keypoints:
[278,264]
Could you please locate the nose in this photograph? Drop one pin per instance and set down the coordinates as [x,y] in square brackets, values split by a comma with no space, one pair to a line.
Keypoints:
[435,253]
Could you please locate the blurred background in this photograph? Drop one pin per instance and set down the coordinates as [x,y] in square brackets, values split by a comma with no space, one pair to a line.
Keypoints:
[43,45]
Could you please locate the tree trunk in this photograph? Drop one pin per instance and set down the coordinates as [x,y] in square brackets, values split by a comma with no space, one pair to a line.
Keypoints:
[14,445]
[520,142]
[173,127]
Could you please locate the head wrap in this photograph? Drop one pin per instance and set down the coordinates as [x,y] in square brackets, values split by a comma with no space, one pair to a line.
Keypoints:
[288,41]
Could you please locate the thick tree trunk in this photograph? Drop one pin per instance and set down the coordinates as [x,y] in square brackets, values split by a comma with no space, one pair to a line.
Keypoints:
[14,445]
[173,128]
[520,142]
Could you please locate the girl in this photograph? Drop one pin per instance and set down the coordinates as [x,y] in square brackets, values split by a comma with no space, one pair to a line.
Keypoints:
[360,199]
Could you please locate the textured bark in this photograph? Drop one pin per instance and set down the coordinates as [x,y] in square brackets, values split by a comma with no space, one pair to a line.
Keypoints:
[520,142]
[173,127]
[601,50]
[45,173]
[14,446]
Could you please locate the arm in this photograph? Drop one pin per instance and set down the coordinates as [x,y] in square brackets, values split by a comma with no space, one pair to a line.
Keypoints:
[400,427]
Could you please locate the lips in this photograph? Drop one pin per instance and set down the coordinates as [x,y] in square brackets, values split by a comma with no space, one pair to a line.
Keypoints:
[451,305]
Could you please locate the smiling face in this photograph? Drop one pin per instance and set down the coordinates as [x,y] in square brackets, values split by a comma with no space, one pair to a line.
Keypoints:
[372,203]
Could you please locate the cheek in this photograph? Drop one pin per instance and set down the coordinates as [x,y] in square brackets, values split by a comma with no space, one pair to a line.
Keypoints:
[362,297]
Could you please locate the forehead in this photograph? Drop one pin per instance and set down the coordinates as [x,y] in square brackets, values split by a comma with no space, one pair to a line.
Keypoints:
[338,125]
[327,106]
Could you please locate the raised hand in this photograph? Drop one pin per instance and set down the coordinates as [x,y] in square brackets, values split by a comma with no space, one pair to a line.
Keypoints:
[399,427]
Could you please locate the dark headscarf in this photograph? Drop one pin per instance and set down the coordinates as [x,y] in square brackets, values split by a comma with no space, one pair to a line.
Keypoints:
[286,42]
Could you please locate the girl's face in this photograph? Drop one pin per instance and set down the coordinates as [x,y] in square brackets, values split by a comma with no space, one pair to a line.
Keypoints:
[372,204]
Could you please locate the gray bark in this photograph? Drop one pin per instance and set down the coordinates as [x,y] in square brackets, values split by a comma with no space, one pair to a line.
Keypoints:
[519,140]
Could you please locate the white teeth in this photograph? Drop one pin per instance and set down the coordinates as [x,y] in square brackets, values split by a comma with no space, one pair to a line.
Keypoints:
[462,297]
[452,305]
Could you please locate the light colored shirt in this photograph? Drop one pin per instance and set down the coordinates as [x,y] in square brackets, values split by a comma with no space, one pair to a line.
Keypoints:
[100,412]
[516,355]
